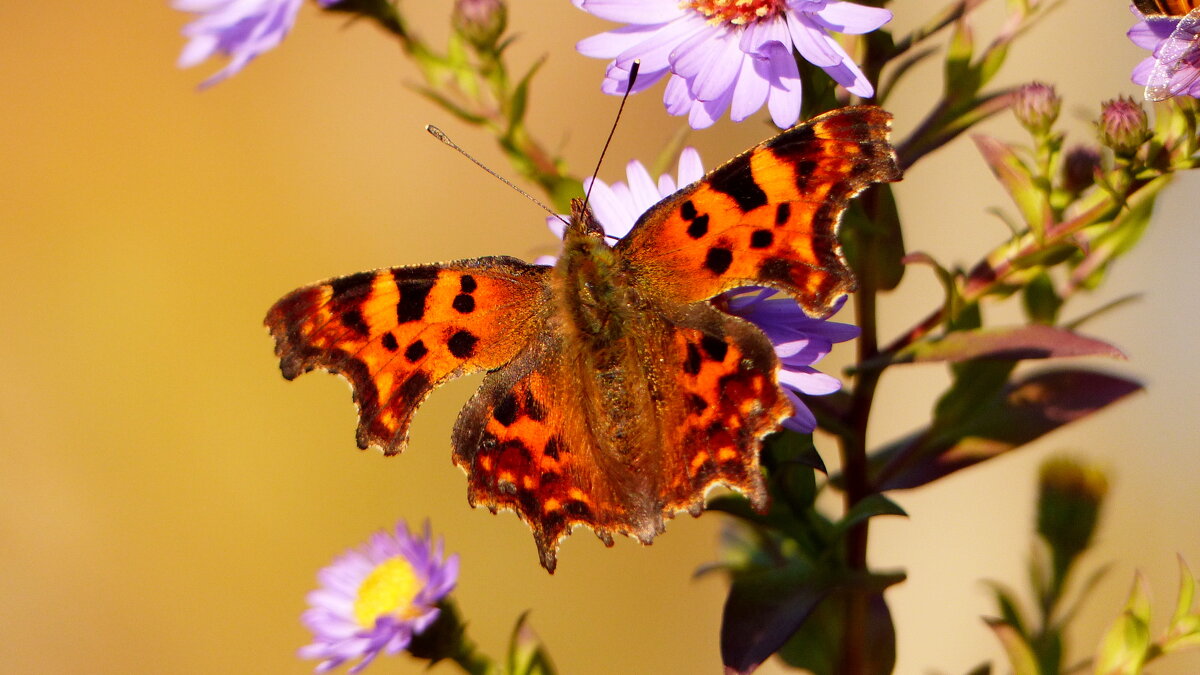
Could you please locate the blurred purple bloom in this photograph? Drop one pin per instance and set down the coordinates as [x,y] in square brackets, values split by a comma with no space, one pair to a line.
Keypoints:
[800,340]
[376,597]
[239,29]
[1158,36]
[724,55]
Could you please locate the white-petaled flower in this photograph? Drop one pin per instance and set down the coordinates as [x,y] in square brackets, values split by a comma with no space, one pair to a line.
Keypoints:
[734,55]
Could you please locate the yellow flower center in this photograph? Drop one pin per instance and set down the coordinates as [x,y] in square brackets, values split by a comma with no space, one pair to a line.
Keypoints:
[736,12]
[389,589]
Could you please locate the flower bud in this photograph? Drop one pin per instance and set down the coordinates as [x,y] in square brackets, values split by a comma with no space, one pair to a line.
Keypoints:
[1123,125]
[1036,107]
[1069,498]
[480,22]
[1079,168]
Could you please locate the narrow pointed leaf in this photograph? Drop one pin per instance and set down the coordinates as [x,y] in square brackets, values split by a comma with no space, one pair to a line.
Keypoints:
[1021,413]
[1020,655]
[1036,341]
[764,609]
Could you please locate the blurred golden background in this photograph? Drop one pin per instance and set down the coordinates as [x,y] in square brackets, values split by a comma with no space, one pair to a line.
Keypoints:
[166,497]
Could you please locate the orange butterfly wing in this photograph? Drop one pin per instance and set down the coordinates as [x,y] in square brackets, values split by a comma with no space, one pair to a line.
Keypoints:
[769,216]
[544,439]
[397,333]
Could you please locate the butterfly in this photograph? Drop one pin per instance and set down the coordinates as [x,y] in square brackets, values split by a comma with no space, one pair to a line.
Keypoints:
[616,394]
[1177,59]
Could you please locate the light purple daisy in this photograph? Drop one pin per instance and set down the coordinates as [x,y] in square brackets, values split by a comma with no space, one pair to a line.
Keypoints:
[1173,68]
[800,340]
[731,55]
[239,29]
[375,598]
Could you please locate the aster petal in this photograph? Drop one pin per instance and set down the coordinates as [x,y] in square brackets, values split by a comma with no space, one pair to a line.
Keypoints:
[691,169]
[751,90]
[719,73]
[666,184]
[705,113]
[787,91]
[848,75]
[676,96]
[1148,34]
[612,212]
[802,420]
[633,11]
[757,35]
[609,45]
[616,80]
[810,40]
[847,17]
[641,186]
[655,51]
[809,381]
[691,54]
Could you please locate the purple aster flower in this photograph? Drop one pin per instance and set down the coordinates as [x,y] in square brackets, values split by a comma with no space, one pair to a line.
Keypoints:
[1173,69]
[239,29]
[728,55]
[800,340]
[377,597]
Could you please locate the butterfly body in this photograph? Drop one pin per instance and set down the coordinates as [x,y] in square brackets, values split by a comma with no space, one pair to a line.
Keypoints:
[616,393]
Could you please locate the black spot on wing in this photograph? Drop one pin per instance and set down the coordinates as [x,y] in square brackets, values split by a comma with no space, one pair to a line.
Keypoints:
[687,210]
[467,283]
[783,213]
[506,410]
[351,287]
[534,408]
[553,447]
[761,239]
[353,319]
[414,284]
[389,342]
[463,303]
[696,403]
[718,260]
[415,351]
[691,364]
[462,344]
[736,180]
[714,347]
[698,227]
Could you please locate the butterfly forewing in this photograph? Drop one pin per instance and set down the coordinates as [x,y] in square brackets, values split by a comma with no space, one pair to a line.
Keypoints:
[769,216]
[397,333]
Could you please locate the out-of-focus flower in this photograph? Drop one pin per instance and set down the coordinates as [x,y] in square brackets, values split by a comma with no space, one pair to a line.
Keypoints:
[800,341]
[1069,498]
[728,55]
[1179,49]
[377,597]
[1123,125]
[239,29]
[1036,107]
[1079,168]
[480,22]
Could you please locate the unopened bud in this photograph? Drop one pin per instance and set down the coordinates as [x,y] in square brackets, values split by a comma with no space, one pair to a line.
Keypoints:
[1079,168]
[1069,499]
[1036,107]
[480,22]
[1123,125]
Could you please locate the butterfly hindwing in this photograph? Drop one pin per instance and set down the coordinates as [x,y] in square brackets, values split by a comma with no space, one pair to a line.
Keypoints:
[769,216]
[535,441]
[397,333]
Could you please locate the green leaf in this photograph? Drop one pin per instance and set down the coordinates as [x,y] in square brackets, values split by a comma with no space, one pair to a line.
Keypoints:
[763,610]
[1020,655]
[526,655]
[520,98]
[1124,648]
[1187,592]
[868,507]
[1004,344]
[1017,180]
[1042,303]
[1020,413]
[1010,608]
[817,646]
[959,77]
[873,240]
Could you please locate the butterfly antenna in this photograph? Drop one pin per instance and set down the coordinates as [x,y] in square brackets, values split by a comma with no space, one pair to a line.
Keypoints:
[441,136]
[633,73]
